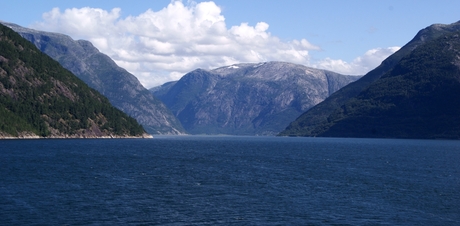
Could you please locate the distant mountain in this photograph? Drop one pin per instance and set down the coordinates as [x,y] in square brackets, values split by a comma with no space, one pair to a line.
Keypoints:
[101,73]
[309,123]
[163,89]
[39,98]
[247,99]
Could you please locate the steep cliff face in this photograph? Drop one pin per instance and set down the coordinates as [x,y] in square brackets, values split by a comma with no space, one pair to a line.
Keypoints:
[39,98]
[248,99]
[101,73]
[317,116]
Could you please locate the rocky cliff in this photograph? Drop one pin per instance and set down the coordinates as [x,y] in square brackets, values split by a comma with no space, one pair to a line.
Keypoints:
[248,99]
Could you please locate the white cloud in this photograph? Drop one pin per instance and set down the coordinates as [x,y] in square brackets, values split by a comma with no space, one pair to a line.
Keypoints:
[160,46]
[360,65]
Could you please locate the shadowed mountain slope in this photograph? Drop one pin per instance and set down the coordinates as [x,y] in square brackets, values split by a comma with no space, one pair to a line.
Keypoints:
[418,98]
[307,123]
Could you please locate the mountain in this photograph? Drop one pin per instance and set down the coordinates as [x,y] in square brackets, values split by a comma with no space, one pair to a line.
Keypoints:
[418,98]
[101,73]
[247,99]
[309,122]
[39,98]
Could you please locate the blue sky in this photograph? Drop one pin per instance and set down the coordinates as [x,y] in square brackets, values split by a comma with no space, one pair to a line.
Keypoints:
[349,37]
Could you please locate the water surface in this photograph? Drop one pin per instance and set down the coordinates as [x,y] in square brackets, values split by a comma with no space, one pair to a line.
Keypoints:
[227,180]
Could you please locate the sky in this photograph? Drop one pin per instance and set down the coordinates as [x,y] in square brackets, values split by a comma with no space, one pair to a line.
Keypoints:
[161,40]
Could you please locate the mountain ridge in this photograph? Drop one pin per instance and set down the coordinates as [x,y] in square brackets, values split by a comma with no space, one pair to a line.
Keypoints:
[101,73]
[418,98]
[248,98]
[306,123]
[39,98]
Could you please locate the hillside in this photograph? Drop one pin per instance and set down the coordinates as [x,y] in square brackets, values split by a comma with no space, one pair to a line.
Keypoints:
[100,72]
[39,98]
[247,99]
[308,122]
[418,98]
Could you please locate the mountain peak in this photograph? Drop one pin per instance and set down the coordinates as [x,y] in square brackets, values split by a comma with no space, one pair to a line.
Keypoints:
[273,70]
[248,98]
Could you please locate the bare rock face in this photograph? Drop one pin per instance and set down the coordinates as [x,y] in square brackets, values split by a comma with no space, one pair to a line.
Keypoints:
[100,72]
[248,99]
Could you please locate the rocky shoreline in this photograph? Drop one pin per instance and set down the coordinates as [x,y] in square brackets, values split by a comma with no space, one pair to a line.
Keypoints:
[26,136]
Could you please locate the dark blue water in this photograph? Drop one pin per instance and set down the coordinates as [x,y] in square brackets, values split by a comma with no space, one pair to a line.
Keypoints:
[192,180]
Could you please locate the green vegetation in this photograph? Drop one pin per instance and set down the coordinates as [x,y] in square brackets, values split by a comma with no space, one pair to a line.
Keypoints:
[418,98]
[38,95]
[101,73]
[315,119]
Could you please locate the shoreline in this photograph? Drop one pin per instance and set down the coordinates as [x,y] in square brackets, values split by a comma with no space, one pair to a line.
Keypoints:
[33,137]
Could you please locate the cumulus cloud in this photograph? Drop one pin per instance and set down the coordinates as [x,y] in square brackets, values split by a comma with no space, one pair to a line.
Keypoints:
[360,65]
[160,46]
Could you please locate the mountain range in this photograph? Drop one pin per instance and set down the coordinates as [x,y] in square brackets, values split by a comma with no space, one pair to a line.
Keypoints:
[247,99]
[101,73]
[39,98]
[412,94]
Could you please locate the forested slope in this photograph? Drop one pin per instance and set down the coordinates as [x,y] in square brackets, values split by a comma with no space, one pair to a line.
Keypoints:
[38,97]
